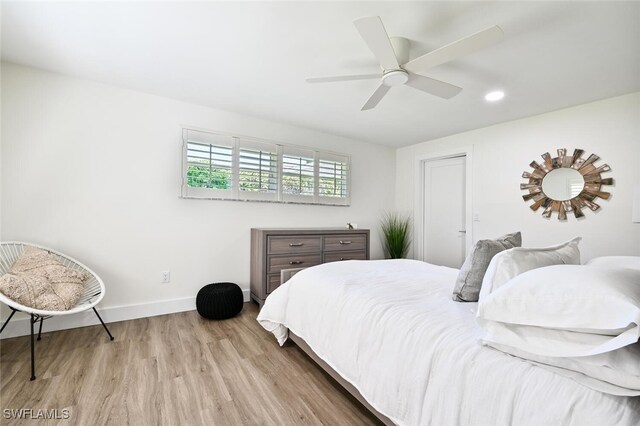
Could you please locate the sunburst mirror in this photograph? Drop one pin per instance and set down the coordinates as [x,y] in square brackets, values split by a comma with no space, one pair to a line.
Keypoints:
[565,184]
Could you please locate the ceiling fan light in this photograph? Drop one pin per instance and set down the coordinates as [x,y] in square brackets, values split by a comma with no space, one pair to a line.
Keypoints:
[395,78]
[494,96]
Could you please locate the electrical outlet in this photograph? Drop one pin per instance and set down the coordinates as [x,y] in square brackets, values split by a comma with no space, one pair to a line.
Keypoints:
[165,277]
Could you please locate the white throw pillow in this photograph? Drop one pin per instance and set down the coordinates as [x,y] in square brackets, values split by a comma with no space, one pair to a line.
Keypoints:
[590,309]
[632,262]
[513,262]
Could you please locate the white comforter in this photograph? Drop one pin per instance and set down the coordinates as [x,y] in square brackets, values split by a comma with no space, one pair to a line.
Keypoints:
[390,328]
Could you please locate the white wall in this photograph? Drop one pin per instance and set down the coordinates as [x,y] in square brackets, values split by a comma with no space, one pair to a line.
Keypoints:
[0,153]
[94,171]
[609,128]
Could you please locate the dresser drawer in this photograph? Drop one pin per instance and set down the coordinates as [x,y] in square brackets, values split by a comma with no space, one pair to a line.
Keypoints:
[277,263]
[301,244]
[345,242]
[273,282]
[345,255]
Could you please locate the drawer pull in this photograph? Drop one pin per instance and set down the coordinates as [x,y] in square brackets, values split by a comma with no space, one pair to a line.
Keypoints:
[345,242]
[296,244]
[345,258]
[296,262]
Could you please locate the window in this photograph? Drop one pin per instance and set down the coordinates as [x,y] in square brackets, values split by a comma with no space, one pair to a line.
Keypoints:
[333,173]
[257,170]
[219,166]
[209,164]
[298,174]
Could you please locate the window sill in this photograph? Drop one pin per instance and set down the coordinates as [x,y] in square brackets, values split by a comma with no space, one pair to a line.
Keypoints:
[186,197]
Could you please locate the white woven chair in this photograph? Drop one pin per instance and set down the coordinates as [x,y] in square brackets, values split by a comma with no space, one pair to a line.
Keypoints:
[93,291]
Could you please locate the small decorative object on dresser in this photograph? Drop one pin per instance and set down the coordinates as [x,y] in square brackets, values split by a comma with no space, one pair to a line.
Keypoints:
[273,250]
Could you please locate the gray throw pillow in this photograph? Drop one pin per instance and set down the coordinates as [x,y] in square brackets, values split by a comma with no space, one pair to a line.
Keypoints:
[475,265]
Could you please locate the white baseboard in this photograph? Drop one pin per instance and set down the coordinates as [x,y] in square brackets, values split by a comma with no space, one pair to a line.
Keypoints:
[19,324]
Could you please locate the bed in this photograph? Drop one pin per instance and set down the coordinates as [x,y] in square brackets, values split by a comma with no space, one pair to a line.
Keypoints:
[391,333]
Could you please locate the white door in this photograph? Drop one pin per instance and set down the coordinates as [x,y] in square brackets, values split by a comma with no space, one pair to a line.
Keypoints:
[444,212]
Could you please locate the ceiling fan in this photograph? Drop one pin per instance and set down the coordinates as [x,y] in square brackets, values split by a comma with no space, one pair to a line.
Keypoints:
[393,55]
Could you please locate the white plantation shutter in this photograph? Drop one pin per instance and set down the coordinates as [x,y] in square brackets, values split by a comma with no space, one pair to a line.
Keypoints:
[333,179]
[257,170]
[208,164]
[298,175]
[219,166]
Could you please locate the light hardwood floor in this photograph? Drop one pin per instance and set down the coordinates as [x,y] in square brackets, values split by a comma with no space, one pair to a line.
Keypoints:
[176,369]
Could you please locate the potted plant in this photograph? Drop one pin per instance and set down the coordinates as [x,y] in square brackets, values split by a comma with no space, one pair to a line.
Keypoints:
[395,229]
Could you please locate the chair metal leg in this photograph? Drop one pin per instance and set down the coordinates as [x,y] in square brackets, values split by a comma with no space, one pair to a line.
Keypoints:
[103,324]
[32,321]
[40,329]
[8,319]
[33,351]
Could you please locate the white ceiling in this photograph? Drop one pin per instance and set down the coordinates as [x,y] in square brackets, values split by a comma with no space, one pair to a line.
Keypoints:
[252,58]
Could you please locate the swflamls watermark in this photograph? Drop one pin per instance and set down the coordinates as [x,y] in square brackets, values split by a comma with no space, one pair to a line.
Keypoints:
[36,414]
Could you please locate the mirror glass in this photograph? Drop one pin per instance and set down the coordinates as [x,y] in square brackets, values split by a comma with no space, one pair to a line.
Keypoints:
[562,184]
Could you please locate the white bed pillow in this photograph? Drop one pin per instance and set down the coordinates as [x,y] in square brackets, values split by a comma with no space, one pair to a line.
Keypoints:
[565,310]
[616,372]
[632,262]
[555,342]
[513,262]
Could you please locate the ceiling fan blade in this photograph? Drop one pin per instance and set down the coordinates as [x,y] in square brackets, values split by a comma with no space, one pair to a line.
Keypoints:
[455,50]
[376,97]
[432,86]
[372,31]
[342,78]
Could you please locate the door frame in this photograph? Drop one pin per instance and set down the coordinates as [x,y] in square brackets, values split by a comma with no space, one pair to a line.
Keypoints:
[418,204]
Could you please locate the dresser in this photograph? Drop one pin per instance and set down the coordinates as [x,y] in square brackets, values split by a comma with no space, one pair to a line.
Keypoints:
[273,250]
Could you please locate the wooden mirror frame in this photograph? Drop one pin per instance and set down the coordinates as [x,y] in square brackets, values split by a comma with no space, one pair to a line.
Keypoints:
[591,174]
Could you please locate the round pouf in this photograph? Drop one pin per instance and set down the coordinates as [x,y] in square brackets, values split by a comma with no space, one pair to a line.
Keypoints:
[219,301]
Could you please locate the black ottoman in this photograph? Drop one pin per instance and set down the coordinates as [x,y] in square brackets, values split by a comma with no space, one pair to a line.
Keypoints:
[219,301]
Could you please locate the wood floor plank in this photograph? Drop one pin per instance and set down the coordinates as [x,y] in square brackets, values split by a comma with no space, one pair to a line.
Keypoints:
[177,369]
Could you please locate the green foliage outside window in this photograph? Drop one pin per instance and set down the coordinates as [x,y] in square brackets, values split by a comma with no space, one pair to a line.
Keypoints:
[220,178]
[332,187]
[259,181]
[298,185]
[204,177]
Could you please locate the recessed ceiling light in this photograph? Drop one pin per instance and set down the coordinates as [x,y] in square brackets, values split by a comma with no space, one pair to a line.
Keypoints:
[494,96]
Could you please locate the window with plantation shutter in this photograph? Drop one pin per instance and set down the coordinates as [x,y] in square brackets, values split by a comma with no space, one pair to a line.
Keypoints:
[298,174]
[219,166]
[209,164]
[333,178]
[258,170]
